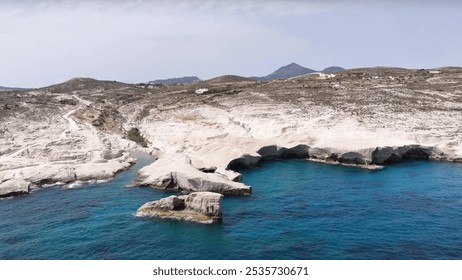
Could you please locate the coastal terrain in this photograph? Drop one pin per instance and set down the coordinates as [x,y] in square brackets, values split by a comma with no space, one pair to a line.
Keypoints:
[203,133]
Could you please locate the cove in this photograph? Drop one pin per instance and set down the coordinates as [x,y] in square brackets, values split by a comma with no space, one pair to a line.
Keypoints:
[297,210]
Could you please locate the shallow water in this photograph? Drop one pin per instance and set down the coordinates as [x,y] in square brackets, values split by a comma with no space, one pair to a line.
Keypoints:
[298,210]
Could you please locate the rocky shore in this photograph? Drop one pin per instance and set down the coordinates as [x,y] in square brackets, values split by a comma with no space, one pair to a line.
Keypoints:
[83,129]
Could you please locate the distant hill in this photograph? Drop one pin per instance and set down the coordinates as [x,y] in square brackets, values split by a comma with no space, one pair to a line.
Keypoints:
[182,80]
[230,79]
[81,84]
[333,69]
[10,88]
[288,71]
[284,72]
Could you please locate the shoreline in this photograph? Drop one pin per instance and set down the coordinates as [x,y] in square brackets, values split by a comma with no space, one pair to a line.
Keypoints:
[246,163]
[82,129]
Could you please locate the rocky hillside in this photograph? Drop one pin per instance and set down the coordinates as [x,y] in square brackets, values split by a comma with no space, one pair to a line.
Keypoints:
[182,80]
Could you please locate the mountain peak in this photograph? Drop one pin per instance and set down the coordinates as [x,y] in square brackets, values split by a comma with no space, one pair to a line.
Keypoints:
[292,65]
[290,70]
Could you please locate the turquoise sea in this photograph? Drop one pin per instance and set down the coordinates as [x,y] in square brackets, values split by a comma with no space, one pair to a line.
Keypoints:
[298,210]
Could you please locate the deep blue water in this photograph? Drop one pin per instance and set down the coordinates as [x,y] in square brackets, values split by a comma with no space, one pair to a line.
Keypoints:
[298,210]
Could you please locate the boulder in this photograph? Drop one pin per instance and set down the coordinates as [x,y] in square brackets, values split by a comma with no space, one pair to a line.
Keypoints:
[352,158]
[271,152]
[383,155]
[299,151]
[14,187]
[244,161]
[321,153]
[201,207]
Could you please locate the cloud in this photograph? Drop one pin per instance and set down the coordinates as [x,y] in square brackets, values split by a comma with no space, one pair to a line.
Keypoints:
[274,7]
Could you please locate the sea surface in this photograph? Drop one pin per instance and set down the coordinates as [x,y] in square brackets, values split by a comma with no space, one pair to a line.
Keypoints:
[298,210]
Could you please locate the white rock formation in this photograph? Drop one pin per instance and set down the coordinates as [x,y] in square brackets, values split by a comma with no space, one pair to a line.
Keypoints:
[14,187]
[175,172]
[201,207]
[53,148]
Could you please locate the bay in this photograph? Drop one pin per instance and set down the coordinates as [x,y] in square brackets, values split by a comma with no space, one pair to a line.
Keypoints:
[297,210]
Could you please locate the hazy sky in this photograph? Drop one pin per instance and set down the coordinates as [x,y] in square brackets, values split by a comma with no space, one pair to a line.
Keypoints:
[46,42]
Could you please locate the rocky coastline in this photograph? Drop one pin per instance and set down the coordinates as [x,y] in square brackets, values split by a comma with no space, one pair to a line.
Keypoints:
[83,129]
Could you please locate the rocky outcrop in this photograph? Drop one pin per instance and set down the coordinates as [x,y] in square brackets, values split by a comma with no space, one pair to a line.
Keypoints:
[175,173]
[187,182]
[14,187]
[271,152]
[201,207]
[352,158]
[379,155]
[66,173]
[368,158]
[244,161]
[387,155]
[299,151]
[229,174]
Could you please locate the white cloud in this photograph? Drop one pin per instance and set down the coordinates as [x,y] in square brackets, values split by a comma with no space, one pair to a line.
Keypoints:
[275,7]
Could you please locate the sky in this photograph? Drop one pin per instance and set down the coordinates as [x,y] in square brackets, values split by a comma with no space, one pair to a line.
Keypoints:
[51,41]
